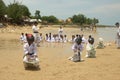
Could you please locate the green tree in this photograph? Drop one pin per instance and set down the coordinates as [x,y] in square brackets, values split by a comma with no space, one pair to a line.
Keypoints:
[2,9]
[81,19]
[75,19]
[88,21]
[78,19]
[37,14]
[44,18]
[25,11]
[95,21]
[16,11]
[50,19]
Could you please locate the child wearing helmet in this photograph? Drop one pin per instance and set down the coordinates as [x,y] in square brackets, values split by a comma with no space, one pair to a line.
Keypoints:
[77,48]
[30,48]
[90,48]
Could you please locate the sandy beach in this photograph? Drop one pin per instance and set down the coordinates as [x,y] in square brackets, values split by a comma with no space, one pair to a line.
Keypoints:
[54,63]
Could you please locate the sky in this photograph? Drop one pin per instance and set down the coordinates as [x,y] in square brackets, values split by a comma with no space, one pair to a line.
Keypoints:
[106,11]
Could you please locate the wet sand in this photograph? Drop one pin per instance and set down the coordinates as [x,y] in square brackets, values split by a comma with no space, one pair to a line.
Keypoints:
[53,59]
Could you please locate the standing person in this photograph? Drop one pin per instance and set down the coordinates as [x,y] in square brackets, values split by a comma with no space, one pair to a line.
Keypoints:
[118,35]
[60,31]
[77,48]
[36,33]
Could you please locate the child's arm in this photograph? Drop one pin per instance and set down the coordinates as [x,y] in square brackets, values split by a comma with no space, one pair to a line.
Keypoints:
[74,48]
[25,50]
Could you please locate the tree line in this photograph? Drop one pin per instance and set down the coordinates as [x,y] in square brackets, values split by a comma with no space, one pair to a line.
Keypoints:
[16,12]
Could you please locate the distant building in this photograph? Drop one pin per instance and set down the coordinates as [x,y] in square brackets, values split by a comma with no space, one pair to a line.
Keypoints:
[33,20]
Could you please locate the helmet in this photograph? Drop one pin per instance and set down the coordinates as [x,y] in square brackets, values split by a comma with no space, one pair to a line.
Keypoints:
[30,37]
[78,40]
[91,40]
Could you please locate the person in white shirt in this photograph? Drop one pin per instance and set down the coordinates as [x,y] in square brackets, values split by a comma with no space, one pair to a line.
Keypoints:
[41,37]
[35,28]
[36,33]
[76,36]
[90,48]
[65,39]
[46,37]
[118,35]
[30,48]
[77,48]
[50,37]
[72,40]
[22,38]
[53,38]
[83,39]
[60,31]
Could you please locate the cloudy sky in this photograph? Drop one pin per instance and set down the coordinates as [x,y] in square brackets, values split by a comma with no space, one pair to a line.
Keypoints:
[107,11]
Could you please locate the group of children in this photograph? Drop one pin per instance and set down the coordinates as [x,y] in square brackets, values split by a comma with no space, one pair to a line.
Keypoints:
[31,41]
[51,38]
[78,47]
[78,42]
[55,38]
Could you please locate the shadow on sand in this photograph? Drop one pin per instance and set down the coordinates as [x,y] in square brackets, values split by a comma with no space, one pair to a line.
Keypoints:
[33,69]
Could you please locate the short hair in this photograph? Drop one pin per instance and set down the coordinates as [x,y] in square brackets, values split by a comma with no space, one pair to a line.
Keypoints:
[90,36]
[22,33]
[35,23]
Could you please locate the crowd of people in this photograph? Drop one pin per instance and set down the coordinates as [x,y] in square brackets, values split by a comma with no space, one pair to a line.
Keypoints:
[77,40]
